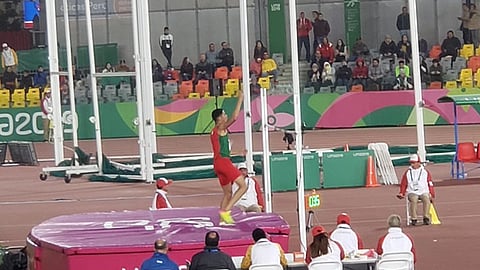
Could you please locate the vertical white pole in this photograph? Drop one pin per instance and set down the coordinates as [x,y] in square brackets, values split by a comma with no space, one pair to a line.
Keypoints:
[246,85]
[138,80]
[412,5]
[266,152]
[146,87]
[93,85]
[298,125]
[71,89]
[54,80]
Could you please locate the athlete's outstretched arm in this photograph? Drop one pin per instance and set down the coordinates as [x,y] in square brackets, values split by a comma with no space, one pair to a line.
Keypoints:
[236,112]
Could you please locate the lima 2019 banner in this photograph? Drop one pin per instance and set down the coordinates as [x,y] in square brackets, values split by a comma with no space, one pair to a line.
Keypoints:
[192,116]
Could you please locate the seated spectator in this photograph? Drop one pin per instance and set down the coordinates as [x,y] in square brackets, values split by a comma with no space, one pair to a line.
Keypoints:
[255,70]
[263,252]
[327,50]
[323,248]
[269,67]
[160,259]
[226,56]
[157,71]
[423,47]
[26,82]
[424,76]
[169,74]
[186,69]
[359,49]
[436,71]
[341,51]
[108,68]
[450,46]
[344,75]
[9,79]
[317,59]
[360,73]
[211,257]
[388,49]
[203,69]
[403,82]
[212,55]
[259,49]
[314,77]
[252,200]
[395,240]
[328,75]
[40,79]
[123,67]
[375,74]
[404,49]
[350,240]
[401,66]
[64,92]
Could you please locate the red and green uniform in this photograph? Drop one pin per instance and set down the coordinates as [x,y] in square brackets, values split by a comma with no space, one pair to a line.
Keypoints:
[222,165]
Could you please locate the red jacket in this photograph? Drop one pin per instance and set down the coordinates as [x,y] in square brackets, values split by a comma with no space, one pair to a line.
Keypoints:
[304,29]
[360,72]
[327,51]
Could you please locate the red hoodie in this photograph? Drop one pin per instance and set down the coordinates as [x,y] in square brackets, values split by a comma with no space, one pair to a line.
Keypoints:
[360,72]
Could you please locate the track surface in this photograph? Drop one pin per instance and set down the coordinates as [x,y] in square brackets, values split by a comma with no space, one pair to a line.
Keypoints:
[25,201]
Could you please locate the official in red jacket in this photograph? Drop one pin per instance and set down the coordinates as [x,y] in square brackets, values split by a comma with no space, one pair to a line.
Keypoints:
[418,185]
[160,200]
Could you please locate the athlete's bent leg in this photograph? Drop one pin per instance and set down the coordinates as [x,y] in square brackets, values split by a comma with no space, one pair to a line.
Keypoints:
[227,196]
[242,188]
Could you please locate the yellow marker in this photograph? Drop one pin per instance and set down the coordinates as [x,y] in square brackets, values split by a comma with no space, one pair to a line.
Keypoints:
[434,216]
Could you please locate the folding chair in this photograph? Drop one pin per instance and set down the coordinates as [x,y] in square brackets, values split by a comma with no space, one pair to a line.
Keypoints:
[333,265]
[402,260]
[266,267]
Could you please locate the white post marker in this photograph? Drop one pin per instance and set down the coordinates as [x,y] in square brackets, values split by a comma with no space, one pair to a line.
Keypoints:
[246,85]
[54,80]
[412,6]
[93,85]
[266,152]
[298,126]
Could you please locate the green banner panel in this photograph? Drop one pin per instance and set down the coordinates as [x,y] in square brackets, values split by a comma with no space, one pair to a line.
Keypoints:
[277,36]
[353,29]
[345,169]
[103,53]
[283,168]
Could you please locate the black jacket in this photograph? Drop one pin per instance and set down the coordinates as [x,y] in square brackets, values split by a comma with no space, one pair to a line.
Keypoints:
[211,258]
[344,72]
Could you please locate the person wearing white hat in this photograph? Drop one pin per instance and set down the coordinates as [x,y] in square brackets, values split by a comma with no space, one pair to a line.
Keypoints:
[9,57]
[47,110]
[160,200]
[252,200]
[418,185]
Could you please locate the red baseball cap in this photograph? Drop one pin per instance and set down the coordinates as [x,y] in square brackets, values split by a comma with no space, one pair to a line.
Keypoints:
[162,182]
[317,230]
[343,218]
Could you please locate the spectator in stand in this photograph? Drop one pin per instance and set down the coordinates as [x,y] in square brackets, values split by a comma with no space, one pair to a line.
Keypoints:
[327,50]
[160,259]
[318,59]
[405,49]
[40,79]
[424,75]
[47,109]
[64,92]
[226,56]
[403,82]
[259,49]
[263,252]
[401,66]
[10,80]
[395,240]
[212,55]
[122,66]
[474,24]
[212,257]
[107,68]
[450,46]
[269,67]
[341,51]
[26,82]
[359,49]
[436,71]
[321,28]
[403,22]
[465,25]
[157,71]
[9,57]
[304,26]
[166,45]
[343,234]
[186,69]
[255,70]
[328,75]
[388,49]
[252,200]
[375,74]
[323,248]
[314,77]
[344,75]
[203,69]
[423,47]
[360,73]
[169,74]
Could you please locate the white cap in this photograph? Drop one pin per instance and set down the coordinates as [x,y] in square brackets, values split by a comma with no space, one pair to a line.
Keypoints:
[414,158]
[242,165]
[4,45]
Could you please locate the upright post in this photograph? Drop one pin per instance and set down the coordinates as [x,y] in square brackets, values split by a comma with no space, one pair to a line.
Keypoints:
[266,152]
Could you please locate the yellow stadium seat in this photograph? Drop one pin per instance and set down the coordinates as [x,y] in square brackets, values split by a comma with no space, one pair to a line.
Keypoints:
[451,85]
[466,74]
[232,86]
[18,95]
[33,103]
[227,95]
[18,104]
[477,52]
[467,51]
[206,95]
[4,104]
[33,94]
[194,95]
[264,82]
[467,83]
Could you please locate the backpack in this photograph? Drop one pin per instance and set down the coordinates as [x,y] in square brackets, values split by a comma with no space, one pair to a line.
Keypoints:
[14,260]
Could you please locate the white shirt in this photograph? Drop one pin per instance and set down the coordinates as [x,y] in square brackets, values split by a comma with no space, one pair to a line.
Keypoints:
[250,197]
[47,106]
[396,241]
[346,237]
[8,57]
[417,181]
[168,40]
[265,252]
[333,255]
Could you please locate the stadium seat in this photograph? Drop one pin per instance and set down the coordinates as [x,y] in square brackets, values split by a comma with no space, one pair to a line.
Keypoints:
[33,103]
[161,97]
[206,95]
[357,88]
[177,96]
[435,85]
[4,94]
[171,88]
[202,87]
[221,73]
[474,63]
[327,89]
[236,73]
[309,90]
[264,82]
[467,83]
[109,91]
[339,89]
[466,152]
[232,86]
[467,50]
[194,95]
[466,75]
[451,85]
[451,75]
[186,87]
[18,95]
[18,104]
[33,94]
